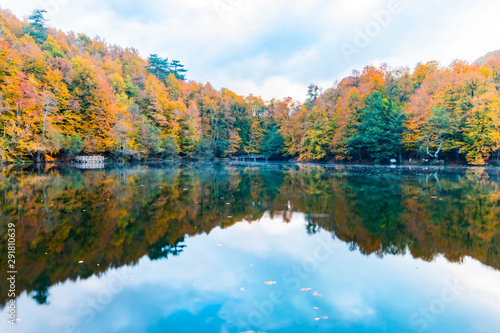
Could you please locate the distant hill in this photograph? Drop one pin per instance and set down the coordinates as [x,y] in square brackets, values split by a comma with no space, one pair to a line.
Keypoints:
[488,56]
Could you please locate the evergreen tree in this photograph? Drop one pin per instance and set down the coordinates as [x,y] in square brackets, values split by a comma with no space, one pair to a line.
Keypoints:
[37,26]
[178,70]
[273,143]
[379,133]
[158,66]
[313,92]
[162,68]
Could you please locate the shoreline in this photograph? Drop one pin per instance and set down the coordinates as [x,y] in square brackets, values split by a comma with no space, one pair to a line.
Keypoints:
[402,169]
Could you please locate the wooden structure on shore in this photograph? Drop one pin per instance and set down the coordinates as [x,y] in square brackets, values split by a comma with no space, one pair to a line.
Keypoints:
[88,162]
[255,158]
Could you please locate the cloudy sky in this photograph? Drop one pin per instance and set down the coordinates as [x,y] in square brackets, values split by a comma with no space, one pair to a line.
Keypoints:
[276,48]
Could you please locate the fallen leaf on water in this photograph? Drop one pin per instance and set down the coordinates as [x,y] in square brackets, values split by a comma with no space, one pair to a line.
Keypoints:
[305,289]
[270,283]
[316,294]
[324,317]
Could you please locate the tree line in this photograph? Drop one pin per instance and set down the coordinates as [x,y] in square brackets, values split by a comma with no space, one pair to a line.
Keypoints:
[64,94]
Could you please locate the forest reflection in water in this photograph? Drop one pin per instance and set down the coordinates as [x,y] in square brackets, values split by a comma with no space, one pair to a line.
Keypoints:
[114,217]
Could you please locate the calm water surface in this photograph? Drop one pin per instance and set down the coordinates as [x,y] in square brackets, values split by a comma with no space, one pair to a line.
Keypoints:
[236,248]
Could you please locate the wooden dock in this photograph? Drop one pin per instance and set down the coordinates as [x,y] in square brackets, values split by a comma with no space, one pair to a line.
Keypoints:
[88,162]
[255,158]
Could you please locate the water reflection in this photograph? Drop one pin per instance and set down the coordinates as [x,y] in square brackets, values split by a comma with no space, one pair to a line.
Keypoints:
[111,218]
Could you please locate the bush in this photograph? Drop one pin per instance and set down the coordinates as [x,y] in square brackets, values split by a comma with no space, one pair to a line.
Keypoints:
[204,150]
[170,148]
[73,145]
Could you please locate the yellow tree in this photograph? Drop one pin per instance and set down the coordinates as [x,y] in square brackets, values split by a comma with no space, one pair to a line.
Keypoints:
[52,143]
[234,142]
[315,141]
[190,129]
[161,109]
[256,136]
[481,134]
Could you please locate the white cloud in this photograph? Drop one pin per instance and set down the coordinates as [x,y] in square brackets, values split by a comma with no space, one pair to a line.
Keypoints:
[276,49]
[272,87]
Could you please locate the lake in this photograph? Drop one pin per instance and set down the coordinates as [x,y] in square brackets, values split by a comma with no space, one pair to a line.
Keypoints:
[252,247]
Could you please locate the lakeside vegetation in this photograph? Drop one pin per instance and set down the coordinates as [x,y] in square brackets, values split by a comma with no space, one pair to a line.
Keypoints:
[64,94]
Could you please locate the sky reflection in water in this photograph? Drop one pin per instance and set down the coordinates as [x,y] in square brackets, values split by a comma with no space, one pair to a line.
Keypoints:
[218,282]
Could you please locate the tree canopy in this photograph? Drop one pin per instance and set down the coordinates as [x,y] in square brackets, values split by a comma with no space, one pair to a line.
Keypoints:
[162,68]
[63,94]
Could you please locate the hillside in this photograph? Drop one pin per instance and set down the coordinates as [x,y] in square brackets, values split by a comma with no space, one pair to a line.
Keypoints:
[488,56]
[64,94]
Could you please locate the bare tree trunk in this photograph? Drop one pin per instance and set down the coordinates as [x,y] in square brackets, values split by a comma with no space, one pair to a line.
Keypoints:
[45,121]
[250,144]
[436,154]
[214,121]
[440,146]
[212,128]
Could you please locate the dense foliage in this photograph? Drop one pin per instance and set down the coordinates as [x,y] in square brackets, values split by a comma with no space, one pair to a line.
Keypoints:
[62,94]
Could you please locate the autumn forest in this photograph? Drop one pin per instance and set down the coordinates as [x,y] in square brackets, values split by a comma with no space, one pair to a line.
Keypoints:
[65,94]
